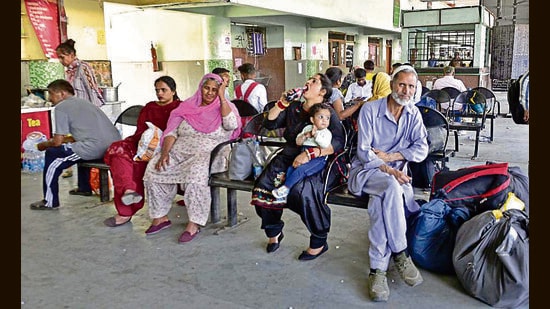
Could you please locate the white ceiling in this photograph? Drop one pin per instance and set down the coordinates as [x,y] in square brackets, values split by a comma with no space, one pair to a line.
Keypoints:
[506,12]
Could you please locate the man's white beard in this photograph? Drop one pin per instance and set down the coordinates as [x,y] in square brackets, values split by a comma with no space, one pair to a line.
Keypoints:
[399,101]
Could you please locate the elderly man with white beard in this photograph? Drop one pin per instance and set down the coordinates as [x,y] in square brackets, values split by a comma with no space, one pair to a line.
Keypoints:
[391,133]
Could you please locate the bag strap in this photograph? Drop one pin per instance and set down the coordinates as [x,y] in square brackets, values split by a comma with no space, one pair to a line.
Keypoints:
[249,90]
[239,92]
[482,170]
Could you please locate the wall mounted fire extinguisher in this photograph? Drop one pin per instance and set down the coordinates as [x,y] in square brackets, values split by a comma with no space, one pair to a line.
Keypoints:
[155,60]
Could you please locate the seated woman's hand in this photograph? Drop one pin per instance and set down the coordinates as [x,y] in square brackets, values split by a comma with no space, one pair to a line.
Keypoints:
[221,92]
[162,162]
[300,159]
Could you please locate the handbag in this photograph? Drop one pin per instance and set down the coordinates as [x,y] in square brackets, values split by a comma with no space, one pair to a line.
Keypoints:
[245,156]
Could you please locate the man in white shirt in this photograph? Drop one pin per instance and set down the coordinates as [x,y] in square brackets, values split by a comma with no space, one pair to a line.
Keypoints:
[250,90]
[361,89]
[449,80]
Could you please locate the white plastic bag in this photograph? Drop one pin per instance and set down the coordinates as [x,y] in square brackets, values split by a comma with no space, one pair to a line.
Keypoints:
[148,143]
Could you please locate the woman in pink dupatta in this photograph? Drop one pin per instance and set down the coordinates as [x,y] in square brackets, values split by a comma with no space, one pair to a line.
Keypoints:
[194,128]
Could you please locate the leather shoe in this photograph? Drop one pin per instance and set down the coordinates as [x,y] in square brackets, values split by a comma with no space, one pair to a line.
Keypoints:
[308,257]
[274,246]
[111,222]
[78,192]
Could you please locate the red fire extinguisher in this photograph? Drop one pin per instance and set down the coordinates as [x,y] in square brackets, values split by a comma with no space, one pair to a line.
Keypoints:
[155,60]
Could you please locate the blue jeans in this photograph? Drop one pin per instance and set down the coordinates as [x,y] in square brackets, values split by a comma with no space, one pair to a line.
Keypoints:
[294,175]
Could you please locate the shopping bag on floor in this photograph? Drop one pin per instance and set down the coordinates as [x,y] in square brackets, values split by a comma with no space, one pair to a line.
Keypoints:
[94,181]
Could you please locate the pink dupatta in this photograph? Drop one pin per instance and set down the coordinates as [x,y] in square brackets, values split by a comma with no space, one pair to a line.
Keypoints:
[205,119]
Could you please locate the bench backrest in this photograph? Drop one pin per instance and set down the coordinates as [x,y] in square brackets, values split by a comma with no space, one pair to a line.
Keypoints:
[129,116]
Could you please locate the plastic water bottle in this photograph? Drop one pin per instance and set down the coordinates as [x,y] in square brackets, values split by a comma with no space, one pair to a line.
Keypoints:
[258,160]
[257,170]
[33,159]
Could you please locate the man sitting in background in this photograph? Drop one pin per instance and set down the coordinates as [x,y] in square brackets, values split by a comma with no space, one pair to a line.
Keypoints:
[432,62]
[91,134]
[360,90]
[251,91]
[369,68]
[449,80]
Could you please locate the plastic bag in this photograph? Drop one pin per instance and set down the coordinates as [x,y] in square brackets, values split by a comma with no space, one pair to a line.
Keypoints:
[148,143]
[95,183]
[33,159]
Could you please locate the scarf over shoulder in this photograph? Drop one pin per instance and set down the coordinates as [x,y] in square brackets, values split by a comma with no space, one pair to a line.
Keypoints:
[381,87]
[205,119]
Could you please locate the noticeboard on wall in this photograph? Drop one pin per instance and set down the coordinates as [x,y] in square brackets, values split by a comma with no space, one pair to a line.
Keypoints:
[102,70]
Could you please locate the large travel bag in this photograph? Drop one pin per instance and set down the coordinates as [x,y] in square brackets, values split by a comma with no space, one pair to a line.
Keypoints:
[491,257]
[480,187]
[431,235]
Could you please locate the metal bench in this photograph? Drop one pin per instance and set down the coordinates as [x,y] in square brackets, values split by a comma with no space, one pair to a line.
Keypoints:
[128,117]
[334,194]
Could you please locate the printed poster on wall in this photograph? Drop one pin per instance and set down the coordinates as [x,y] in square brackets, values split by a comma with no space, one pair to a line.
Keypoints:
[44,19]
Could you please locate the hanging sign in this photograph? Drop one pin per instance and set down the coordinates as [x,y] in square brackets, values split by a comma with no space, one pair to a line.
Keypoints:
[44,19]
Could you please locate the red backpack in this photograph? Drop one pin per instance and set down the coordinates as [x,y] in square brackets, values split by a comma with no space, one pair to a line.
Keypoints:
[480,187]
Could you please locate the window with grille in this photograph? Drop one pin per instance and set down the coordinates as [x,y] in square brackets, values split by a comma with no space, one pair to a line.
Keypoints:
[444,44]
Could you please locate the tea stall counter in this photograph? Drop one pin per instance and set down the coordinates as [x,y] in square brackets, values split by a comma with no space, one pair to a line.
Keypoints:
[36,119]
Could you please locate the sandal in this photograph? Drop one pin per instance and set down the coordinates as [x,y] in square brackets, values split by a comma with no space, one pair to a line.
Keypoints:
[131,198]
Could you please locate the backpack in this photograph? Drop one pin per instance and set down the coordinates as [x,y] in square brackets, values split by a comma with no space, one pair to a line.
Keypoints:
[427,102]
[516,109]
[491,257]
[431,235]
[480,187]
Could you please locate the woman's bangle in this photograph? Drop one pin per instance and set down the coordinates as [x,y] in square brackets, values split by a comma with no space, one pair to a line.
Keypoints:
[311,153]
[281,105]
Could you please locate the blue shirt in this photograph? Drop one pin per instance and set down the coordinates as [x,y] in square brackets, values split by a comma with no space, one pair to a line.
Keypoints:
[378,129]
